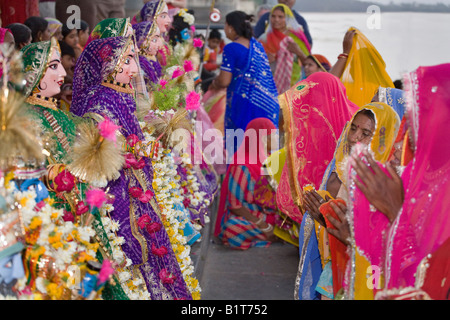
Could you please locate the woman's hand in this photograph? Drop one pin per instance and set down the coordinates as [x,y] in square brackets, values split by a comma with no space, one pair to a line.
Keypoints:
[383,192]
[348,41]
[342,231]
[312,201]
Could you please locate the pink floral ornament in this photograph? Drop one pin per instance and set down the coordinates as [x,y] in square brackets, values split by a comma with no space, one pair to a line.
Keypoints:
[188,66]
[95,197]
[161,251]
[81,208]
[163,83]
[153,227]
[192,101]
[143,221]
[68,216]
[108,129]
[65,181]
[198,43]
[177,73]
[167,277]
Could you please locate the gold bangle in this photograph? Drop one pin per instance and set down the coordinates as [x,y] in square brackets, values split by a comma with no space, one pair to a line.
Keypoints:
[267,229]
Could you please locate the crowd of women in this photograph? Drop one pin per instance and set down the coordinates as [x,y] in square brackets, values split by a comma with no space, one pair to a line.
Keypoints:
[105,189]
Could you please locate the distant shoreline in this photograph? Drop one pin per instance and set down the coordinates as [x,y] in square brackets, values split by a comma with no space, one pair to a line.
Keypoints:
[348,6]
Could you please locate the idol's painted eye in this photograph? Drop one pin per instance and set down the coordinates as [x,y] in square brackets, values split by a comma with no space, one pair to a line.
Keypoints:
[127,60]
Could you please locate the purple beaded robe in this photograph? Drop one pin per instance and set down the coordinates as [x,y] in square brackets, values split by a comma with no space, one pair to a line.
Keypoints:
[161,272]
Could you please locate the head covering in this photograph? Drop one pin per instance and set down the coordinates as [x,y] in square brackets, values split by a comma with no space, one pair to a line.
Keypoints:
[393,97]
[94,66]
[110,27]
[143,31]
[315,112]
[36,57]
[423,223]
[322,62]
[276,42]
[53,25]
[251,154]
[387,125]
[149,11]
[365,71]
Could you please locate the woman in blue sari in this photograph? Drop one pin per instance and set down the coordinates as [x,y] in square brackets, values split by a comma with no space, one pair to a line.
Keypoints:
[245,72]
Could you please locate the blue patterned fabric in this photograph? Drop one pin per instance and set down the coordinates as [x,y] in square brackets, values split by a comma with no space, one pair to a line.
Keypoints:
[252,92]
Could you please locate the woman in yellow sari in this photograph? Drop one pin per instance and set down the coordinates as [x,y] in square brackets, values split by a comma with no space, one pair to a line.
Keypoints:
[375,125]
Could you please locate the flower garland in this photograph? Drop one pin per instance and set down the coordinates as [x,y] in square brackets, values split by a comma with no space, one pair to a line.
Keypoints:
[175,217]
[55,247]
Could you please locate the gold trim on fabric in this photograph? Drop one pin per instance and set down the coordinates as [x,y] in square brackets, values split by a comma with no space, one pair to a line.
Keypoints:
[50,103]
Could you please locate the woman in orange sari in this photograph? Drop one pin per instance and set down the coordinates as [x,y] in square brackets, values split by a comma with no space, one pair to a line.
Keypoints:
[282,30]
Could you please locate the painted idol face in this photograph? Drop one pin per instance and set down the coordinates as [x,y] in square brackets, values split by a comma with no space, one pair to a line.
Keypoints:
[53,78]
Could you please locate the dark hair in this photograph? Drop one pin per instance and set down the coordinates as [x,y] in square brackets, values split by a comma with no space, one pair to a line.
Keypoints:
[241,23]
[36,25]
[20,32]
[215,34]
[66,49]
[178,25]
[83,26]
[65,30]
[368,113]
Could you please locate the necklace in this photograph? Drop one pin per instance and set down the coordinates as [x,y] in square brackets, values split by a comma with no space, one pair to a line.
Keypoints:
[121,87]
[37,99]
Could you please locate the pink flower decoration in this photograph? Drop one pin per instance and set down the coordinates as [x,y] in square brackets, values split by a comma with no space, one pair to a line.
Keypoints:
[167,277]
[163,83]
[188,66]
[178,72]
[139,164]
[136,192]
[104,274]
[81,208]
[143,221]
[132,139]
[146,197]
[153,227]
[198,43]
[68,216]
[161,251]
[95,197]
[193,28]
[65,181]
[108,129]
[192,101]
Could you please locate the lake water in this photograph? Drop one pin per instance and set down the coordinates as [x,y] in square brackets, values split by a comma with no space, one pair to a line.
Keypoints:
[405,40]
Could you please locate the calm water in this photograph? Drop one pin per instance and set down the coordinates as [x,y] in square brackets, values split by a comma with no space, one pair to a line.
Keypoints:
[404,40]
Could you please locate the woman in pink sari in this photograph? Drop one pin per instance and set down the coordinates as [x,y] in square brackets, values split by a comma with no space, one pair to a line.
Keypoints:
[315,112]
[416,206]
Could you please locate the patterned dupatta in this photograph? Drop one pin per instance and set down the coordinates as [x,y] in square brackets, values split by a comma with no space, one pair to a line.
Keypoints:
[315,112]
[110,27]
[150,66]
